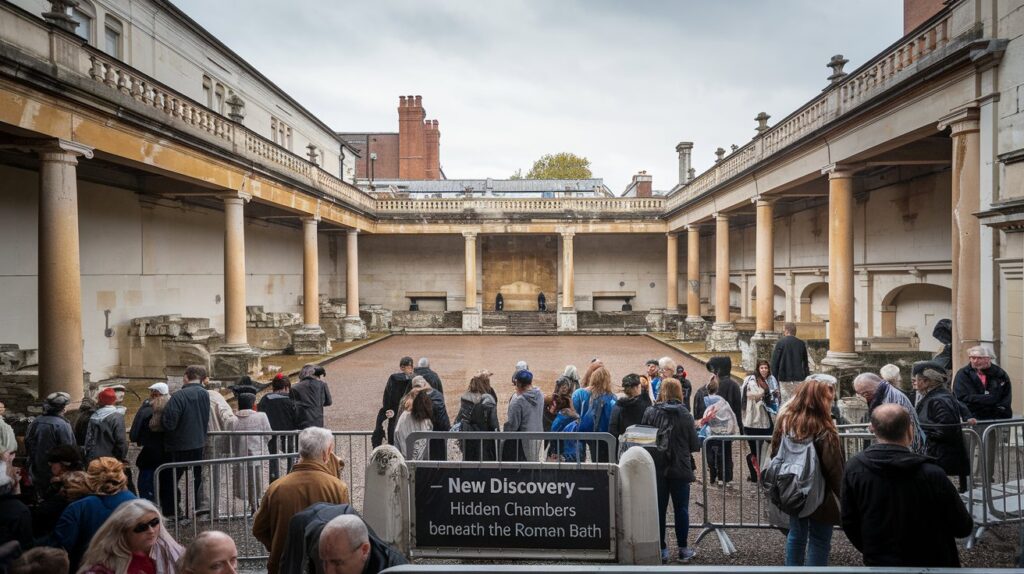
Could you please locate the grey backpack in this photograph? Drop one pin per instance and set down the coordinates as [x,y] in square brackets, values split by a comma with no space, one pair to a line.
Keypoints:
[793,480]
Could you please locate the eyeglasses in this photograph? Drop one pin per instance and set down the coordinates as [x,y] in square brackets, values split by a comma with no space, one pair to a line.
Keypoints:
[144,526]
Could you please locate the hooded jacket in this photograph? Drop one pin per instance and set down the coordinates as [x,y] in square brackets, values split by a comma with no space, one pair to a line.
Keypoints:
[43,434]
[939,413]
[628,411]
[484,419]
[899,509]
[682,442]
[728,389]
[526,414]
[106,435]
[989,401]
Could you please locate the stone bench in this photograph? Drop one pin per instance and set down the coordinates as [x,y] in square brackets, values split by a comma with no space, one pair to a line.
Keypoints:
[624,295]
[415,296]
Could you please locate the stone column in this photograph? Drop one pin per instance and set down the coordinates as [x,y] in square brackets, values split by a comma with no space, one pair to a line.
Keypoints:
[966,229]
[234,272]
[694,328]
[470,314]
[841,349]
[765,257]
[311,338]
[352,326]
[567,310]
[723,336]
[672,279]
[60,277]
[235,358]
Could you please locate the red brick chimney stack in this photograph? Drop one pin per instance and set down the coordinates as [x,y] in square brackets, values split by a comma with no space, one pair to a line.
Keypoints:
[418,141]
[643,184]
[433,151]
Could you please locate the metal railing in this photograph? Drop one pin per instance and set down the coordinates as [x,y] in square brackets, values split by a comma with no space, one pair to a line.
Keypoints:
[696,569]
[231,485]
[556,447]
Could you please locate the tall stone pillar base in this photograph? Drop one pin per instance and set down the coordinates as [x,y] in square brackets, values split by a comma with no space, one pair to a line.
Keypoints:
[471,320]
[311,341]
[693,329]
[839,360]
[231,362]
[762,344]
[567,320]
[353,328]
[723,338]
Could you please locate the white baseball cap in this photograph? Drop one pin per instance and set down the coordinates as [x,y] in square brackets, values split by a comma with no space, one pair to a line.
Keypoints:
[160,388]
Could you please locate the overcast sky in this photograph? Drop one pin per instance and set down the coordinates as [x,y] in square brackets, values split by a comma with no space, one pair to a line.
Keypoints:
[620,82]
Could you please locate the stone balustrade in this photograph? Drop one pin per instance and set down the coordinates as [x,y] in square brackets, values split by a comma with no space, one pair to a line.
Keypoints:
[606,205]
[882,73]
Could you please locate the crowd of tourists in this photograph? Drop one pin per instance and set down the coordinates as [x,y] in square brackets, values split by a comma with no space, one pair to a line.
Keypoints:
[78,507]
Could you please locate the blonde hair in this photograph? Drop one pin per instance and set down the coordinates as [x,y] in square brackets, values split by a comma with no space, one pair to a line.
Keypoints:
[670,390]
[109,546]
[75,484]
[600,382]
[106,476]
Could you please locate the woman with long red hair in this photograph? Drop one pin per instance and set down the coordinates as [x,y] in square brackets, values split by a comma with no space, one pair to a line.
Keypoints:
[808,417]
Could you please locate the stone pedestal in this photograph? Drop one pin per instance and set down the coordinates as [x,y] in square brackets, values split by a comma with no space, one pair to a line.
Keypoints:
[567,320]
[723,338]
[656,320]
[233,362]
[838,360]
[353,328]
[693,329]
[471,320]
[311,341]
[762,344]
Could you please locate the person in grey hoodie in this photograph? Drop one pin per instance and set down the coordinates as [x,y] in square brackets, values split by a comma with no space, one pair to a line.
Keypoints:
[106,435]
[525,414]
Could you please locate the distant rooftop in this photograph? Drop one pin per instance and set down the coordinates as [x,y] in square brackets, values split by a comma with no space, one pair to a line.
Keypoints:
[490,186]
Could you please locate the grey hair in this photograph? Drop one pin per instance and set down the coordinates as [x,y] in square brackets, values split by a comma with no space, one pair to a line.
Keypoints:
[307,372]
[823,378]
[666,363]
[198,547]
[6,482]
[981,351]
[522,366]
[418,382]
[314,442]
[424,362]
[571,372]
[351,526]
[870,380]
[891,373]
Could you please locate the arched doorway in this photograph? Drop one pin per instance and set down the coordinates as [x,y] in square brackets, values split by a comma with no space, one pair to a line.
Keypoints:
[914,309]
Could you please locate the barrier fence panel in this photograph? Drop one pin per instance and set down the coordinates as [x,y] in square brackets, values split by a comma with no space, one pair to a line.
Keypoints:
[1001,470]
[691,569]
[223,491]
[513,509]
[557,447]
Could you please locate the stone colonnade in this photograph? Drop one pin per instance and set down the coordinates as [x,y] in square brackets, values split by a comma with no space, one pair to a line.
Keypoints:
[59,287]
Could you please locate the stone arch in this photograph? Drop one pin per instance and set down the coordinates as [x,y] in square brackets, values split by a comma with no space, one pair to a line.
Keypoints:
[915,308]
[778,301]
[814,301]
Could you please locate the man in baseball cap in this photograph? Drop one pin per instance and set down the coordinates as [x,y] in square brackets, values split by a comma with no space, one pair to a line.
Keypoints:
[45,433]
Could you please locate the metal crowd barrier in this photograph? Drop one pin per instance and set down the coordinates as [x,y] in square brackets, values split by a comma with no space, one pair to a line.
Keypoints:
[233,486]
[693,569]
[1000,469]
[554,447]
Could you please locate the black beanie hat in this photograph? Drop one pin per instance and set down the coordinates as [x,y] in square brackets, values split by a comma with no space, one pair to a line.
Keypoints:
[721,366]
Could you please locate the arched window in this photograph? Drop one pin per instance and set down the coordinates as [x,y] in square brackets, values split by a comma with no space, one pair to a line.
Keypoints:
[85,15]
[113,32]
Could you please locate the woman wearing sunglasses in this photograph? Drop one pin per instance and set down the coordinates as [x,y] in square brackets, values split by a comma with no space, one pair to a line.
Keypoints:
[132,541]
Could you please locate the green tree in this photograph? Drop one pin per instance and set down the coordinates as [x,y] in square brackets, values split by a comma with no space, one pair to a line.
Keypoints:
[562,165]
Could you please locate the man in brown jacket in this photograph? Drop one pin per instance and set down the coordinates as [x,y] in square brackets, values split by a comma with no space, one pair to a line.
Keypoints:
[310,481]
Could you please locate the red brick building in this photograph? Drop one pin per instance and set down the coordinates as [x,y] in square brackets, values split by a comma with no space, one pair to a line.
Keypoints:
[412,153]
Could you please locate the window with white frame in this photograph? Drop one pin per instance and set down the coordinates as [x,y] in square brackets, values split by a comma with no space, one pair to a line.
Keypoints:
[113,31]
[84,14]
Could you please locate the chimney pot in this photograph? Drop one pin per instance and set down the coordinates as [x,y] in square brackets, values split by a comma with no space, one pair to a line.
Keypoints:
[684,149]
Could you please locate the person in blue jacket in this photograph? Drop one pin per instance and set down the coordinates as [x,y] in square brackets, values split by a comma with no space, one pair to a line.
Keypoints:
[594,404]
[83,517]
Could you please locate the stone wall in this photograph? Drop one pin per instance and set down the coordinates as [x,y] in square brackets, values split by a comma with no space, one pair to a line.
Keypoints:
[612,321]
[426,321]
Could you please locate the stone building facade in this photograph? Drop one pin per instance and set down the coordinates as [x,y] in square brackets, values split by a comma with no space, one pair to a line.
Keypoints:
[144,222]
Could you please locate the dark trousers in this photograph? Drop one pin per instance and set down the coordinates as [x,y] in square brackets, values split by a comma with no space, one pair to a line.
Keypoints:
[679,490]
[146,484]
[280,444]
[756,448]
[194,455]
[719,460]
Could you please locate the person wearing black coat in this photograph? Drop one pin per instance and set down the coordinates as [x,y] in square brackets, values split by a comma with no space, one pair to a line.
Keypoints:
[438,448]
[398,385]
[629,410]
[898,507]
[674,471]
[789,357]
[311,395]
[943,333]
[152,442]
[939,413]
[423,370]
[728,388]
[987,399]
[283,416]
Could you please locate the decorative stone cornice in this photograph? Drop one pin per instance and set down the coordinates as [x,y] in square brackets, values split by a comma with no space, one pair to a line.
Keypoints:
[841,170]
[1007,216]
[961,121]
